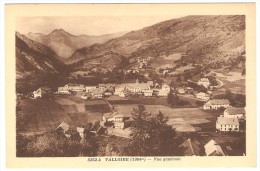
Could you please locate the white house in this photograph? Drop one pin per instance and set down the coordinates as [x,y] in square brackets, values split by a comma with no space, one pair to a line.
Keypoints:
[164,91]
[148,93]
[90,88]
[75,87]
[216,104]
[110,117]
[233,112]
[227,124]
[213,149]
[120,125]
[166,87]
[119,89]
[202,96]
[63,90]
[39,93]
[181,90]
[97,94]
[204,82]
[81,132]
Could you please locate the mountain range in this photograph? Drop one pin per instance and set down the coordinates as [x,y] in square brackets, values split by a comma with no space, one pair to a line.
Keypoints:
[203,38]
[65,44]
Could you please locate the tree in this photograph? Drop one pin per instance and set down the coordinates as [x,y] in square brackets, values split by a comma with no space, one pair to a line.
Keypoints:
[151,136]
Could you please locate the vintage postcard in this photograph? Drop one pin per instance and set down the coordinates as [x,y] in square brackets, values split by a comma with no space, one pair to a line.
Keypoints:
[127,85]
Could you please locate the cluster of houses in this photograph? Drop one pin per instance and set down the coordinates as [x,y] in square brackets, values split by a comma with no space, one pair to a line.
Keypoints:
[79,133]
[192,148]
[147,89]
[231,118]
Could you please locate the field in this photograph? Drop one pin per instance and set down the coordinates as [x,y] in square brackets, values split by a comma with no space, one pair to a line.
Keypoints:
[45,115]
[183,119]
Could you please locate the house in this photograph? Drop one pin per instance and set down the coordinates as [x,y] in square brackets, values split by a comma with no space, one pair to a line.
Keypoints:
[86,96]
[164,91]
[181,90]
[75,87]
[227,124]
[97,94]
[63,127]
[90,88]
[150,83]
[108,92]
[216,104]
[81,131]
[202,96]
[189,148]
[166,87]
[63,90]
[166,71]
[233,112]
[137,87]
[189,90]
[119,89]
[148,93]
[213,149]
[114,117]
[39,93]
[120,125]
[204,82]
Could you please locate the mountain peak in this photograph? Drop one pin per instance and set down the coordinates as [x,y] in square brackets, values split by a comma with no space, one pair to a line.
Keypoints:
[59,32]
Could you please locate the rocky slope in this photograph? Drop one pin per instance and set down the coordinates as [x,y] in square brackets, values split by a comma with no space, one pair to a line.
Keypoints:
[34,61]
[204,39]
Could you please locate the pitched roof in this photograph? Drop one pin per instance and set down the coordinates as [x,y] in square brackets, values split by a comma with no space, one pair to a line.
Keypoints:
[234,111]
[64,126]
[212,147]
[80,130]
[227,121]
[202,94]
[74,84]
[62,89]
[204,80]
[218,101]
[190,148]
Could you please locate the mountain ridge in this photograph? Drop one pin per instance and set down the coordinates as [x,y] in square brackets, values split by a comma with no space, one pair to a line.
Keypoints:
[65,44]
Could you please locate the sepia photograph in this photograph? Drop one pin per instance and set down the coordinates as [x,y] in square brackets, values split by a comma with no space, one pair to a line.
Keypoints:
[172,85]
[173,88]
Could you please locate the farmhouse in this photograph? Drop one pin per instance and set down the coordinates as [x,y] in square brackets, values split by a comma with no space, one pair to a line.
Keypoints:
[75,87]
[39,93]
[233,112]
[227,124]
[189,148]
[213,149]
[204,82]
[202,96]
[216,104]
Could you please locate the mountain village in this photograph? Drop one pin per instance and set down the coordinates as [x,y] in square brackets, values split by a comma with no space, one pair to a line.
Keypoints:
[204,104]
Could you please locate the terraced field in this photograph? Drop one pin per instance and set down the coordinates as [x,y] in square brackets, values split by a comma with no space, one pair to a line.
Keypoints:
[45,115]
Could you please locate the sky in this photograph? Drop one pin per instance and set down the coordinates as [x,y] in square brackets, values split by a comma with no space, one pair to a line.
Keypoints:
[90,25]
